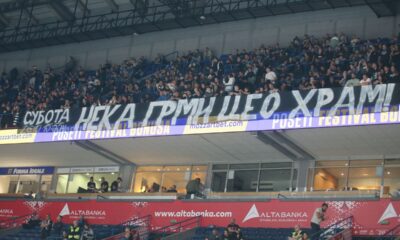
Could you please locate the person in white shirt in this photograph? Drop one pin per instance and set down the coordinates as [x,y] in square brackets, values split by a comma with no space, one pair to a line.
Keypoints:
[229,82]
[365,80]
[317,218]
[270,75]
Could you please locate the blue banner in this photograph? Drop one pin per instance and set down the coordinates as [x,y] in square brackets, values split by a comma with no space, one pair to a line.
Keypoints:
[27,171]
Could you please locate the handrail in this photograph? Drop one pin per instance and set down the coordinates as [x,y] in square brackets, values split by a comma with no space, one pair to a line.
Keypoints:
[392,230]
[12,220]
[336,225]
[142,235]
[179,225]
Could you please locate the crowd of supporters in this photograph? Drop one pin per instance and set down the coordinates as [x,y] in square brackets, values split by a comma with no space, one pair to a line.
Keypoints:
[307,63]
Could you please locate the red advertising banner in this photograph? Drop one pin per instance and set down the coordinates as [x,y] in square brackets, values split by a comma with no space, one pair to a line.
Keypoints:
[370,217]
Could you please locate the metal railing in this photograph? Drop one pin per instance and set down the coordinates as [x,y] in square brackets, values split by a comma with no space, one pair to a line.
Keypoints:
[334,229]
[177,227]
[393,232]
[14,222]
[141,225]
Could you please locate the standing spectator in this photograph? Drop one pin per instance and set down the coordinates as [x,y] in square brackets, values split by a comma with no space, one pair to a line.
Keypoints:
[116,185]
[104,185]
[74,232]
[194,187]
[233,229]
[58,226]
[270,75]
[91,186]
[317,218]
[87,233]
[354,81]
[81,221]
[365,80]
[32,222]
[45,227]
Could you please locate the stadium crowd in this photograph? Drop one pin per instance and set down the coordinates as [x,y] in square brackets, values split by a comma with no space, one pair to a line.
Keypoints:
[307,63]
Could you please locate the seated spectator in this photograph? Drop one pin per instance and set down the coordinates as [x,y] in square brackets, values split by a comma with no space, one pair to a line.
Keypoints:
[58,226]
[45,227]
[87,233]
[91,186]
[226,235]
[155,187]
[172,189]
[297,234]
[305,236]
[214,235]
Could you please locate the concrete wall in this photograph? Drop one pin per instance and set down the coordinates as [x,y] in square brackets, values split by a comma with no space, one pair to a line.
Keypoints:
[223,38]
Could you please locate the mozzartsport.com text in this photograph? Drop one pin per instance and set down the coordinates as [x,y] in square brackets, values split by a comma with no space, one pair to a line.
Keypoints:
[218,124]
[183,213]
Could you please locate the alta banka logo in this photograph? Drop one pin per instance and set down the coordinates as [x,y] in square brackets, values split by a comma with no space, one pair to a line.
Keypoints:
[4,212]
[75,213]
[390,212]
[267,216]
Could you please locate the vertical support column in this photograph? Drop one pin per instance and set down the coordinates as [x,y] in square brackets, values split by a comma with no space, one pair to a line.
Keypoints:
[302,174]
[126,172]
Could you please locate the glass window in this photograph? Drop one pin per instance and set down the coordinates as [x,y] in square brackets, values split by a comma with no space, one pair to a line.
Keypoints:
[176,168]
[4,183]
[244,166]
[332,163]
[363,163]
[330,179]
[62,182]
[275,180]
[45,183]
[28,183]
[150,169]
[147,181]
[218,181]
[395,162]
[277,165]
[200,168]
[77,181]
[180,179]
[243,181]
[220,166]
[364,178]
[109,177]
[13,184]
[391,180]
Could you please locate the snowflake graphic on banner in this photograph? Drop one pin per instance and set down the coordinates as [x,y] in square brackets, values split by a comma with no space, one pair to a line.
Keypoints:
[140,204]
[35,206]
[342,209]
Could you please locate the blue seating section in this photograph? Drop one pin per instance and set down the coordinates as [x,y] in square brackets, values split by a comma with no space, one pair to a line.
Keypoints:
[101,231]
[250,233]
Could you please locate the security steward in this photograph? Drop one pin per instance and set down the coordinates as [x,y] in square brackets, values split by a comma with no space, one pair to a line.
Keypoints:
[74,231]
